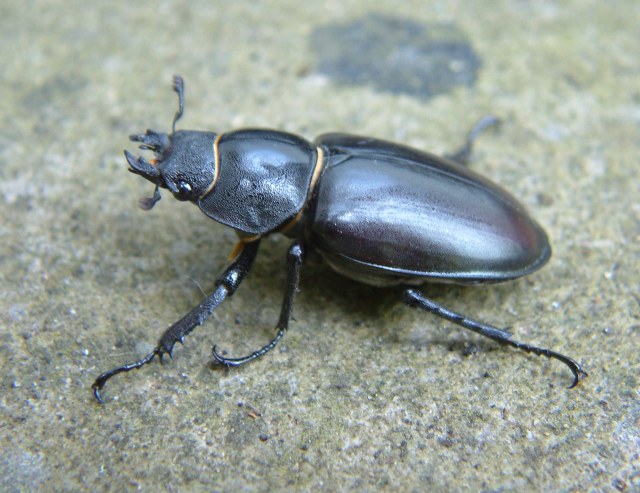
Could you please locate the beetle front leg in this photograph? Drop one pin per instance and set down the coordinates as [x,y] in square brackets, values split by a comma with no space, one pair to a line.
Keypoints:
[415,298]
[226,285]
[295,257]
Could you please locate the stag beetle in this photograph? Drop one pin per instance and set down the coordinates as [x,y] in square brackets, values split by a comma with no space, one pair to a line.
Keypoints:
[378,212]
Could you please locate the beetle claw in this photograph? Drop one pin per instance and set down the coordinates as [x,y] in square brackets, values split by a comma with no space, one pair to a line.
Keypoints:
[221,360]
[578,373]
[96,393]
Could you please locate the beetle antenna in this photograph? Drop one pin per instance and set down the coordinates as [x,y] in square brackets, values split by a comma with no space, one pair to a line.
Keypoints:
[147,203]
[178,87]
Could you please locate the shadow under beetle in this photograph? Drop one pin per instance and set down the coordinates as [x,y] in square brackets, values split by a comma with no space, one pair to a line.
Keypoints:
[378,212]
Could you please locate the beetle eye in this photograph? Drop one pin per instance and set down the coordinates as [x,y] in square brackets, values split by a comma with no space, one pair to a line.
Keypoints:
[183,187]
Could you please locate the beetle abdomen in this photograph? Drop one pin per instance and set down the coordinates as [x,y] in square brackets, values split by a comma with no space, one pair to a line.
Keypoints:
[385,217]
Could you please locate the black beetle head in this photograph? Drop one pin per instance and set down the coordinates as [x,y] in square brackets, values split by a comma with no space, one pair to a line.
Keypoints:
[184,162]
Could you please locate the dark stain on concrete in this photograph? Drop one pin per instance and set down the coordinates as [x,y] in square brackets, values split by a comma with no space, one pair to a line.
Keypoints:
[396,55]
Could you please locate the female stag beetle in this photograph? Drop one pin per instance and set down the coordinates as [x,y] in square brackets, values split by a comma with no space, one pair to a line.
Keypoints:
[377,212]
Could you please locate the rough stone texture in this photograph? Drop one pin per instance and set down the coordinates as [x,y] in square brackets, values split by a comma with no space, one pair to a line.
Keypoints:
[363,393]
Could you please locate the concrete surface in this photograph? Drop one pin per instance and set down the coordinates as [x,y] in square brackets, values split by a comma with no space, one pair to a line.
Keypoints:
[363,393]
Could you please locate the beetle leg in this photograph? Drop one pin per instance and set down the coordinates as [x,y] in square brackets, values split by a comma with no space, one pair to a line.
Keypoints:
[462,155]
[415,298]
[226,285]
[295,257]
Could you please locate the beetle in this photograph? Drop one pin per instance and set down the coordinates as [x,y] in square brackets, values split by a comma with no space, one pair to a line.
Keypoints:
[378,212]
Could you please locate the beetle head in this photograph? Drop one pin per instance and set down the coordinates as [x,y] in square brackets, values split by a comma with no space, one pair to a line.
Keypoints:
[183,163]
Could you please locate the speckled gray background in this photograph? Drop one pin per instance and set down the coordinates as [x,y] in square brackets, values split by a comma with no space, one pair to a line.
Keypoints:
[363,393]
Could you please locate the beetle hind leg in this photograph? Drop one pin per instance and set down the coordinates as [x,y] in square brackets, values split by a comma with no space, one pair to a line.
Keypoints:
[294,260]
[416,299]
[462,155]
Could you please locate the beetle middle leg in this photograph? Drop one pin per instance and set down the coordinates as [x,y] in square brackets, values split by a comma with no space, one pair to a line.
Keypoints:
[295,257]
[415,298]
[226,285]
[462,155]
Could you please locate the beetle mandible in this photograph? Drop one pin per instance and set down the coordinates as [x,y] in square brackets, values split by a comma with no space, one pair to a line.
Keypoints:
[378,212]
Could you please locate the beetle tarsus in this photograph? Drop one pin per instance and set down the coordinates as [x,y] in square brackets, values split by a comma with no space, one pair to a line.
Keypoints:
[416,299]
[574,366]
[233,362]
[102,379]
[462,155]
[295,257]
